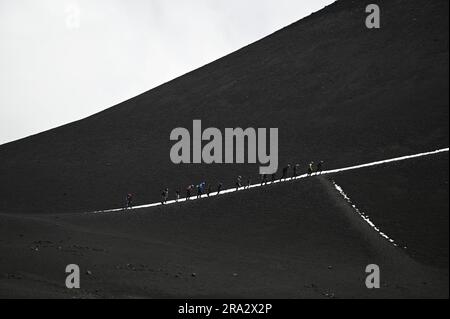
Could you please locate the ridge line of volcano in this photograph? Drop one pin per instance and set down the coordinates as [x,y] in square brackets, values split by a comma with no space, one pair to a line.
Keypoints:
[289,179]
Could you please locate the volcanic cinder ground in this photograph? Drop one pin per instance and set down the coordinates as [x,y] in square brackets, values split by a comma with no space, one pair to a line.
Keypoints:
[337,91]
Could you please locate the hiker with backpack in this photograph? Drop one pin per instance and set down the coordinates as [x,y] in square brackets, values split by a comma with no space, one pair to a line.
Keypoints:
[164,196]
[238,182]
[203,187]
[296,168]
[263,179]
[129,200]
[320,167]
[199,190]
[274,177]
[285,172]
[188,191]
[310,168]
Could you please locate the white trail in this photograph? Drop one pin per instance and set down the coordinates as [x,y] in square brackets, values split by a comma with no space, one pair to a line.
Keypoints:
[231,190]
[363,215]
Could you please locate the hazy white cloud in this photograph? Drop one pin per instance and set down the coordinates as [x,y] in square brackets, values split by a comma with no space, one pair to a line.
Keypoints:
[62,60]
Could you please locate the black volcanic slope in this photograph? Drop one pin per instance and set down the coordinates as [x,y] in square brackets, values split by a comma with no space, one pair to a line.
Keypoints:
[291,240]
[336,90]
[409,202]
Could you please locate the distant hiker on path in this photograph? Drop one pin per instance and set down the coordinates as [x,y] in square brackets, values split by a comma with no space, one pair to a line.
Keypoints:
[188,191]
[238,182]
[164,196]
[285,172]
[296,168]
[177,195]
[129,200]
[263,179]
[203,187]
[219,188]
[310,168]
[320,167]
[199,190]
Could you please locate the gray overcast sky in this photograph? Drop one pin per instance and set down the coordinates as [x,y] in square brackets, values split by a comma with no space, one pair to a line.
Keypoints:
[62,60]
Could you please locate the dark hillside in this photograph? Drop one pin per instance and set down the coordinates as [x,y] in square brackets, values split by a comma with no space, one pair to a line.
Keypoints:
[291,240]
[336,90]
[409,201]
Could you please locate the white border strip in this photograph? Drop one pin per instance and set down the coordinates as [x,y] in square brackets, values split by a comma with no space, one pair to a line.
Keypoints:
[232,190]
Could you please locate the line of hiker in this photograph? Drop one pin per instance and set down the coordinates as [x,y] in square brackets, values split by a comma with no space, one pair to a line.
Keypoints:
[192,191]
[312,168]
[200,189]
[204,189]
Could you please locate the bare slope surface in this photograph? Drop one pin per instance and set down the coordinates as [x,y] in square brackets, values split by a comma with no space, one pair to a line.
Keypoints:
[294,240]
[336,90]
